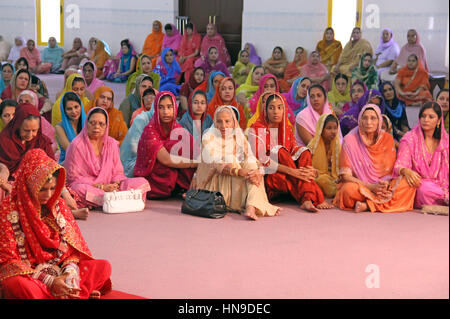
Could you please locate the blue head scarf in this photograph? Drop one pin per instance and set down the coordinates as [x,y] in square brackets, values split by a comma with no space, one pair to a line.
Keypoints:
[211,90]
[396,110]
[67,125]
[2,82]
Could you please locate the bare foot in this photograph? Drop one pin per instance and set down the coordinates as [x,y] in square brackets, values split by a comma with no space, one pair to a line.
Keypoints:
[360,207]
[81,213]
[308,206]
[95,294]
[277,213]
[250,212]
[325,205]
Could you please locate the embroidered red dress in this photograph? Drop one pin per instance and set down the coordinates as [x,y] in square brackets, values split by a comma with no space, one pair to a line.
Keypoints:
[265,144]
[38,243]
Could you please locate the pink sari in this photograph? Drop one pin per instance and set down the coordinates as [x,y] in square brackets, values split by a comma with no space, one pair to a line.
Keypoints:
[308,119]
[432,167]
[85,168]
[173,42]
[95,83]
[163,179]
[409,49]
[215,41]
[315,71]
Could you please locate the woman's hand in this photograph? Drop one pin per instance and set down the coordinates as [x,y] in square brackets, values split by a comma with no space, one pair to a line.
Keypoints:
[110,187]
[254,177]
[69,200]
[61,290]
[182,59]
[411,177]
[305,174]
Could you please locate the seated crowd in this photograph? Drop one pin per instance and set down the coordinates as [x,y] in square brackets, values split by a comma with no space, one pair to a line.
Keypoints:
[328,129]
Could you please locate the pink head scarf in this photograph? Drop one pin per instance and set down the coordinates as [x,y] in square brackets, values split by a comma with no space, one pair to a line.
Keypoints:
[173,41]
[95,83]
[47,129]
[85,167]
[253,102]
[370,163]
[409,49]
[308,118]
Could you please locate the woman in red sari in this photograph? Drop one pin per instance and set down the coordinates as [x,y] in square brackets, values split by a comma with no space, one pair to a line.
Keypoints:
[189,50]
[43,255]
[165,151]
[288,166]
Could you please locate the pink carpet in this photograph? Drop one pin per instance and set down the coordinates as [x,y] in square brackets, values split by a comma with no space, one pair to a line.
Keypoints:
[161,253]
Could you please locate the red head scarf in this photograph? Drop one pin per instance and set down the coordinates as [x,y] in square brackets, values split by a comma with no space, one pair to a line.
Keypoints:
[41,237]
[11,147]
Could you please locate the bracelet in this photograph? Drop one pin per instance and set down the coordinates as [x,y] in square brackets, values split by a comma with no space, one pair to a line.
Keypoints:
[64,191]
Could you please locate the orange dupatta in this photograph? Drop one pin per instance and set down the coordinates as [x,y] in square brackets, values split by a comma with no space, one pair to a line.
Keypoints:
[100,56]
[153,44]
[117,126]
[217,101]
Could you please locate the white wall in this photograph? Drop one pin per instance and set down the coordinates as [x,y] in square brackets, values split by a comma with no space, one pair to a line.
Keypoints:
[265,23]
[268,23]
[109,20]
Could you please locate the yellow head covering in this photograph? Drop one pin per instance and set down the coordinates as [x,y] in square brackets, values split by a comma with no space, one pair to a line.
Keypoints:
[56,110]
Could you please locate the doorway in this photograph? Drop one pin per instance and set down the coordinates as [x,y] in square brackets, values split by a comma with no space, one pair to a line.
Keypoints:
[226,14]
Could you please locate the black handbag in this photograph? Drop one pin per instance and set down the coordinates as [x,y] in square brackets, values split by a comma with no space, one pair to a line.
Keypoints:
[204,203]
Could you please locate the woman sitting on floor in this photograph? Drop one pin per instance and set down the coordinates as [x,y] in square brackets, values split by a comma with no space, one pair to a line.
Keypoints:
[133,101]
[197,120]
[73,119]
[276,65]
[349,120]
[245,91]
[212,63]
[89,71]
[169,69]
[339,94]
[371,186]
[168,173]
[53,54]
[226,95]
[268,83]
[104,98]
[21,80]
[7,110]
[329,48]
[395,110]
[144,66]
[442,99]
[357,90]
[306,120]
[296,97]
[43,254]
[148,97]
[242,68]
[93,162]
[228,166]
[196,78]
[366,72]
[423,157]
[74,83]
[288,167]
[316,71]
[412,84]
[325,150]
[293,69]
[126,65]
